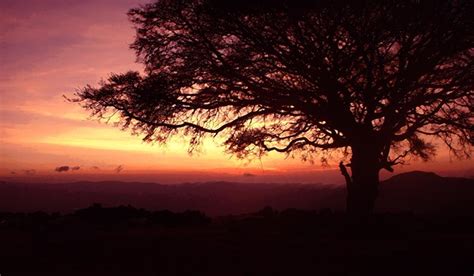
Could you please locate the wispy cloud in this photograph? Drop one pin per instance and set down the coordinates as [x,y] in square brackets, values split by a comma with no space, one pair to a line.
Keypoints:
[29,172]
[248,175]
[119,168]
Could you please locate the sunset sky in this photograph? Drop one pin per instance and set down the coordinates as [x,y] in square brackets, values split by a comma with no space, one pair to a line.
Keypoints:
[50,48]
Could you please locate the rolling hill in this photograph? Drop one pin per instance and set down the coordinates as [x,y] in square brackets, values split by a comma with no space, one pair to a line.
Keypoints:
[420,192]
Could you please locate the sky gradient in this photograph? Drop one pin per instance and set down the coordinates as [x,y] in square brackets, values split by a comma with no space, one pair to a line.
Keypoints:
[50,48]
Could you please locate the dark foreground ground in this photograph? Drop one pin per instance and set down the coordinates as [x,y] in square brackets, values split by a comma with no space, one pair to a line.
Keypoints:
[128,241]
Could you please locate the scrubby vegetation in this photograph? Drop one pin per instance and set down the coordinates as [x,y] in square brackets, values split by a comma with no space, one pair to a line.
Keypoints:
[128,241]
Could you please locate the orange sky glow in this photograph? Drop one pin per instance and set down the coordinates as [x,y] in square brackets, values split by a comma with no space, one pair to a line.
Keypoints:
[51,48]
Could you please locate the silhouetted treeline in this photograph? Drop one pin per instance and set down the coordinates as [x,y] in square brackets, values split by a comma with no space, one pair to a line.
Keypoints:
[96,214]
[325,219]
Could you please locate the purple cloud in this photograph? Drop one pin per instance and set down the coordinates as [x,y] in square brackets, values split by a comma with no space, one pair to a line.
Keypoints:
[62,169]
[67,168]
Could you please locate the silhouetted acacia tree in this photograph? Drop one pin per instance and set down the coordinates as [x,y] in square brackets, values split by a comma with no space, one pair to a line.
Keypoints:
[372,78]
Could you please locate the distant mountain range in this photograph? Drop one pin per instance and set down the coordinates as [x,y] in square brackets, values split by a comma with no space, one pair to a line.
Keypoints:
[420,192]
[426,192]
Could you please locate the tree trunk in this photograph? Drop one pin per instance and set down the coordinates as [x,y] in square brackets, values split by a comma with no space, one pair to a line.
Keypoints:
[362,186]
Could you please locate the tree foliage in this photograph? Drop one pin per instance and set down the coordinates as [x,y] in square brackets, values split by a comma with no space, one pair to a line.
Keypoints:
[300,76]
